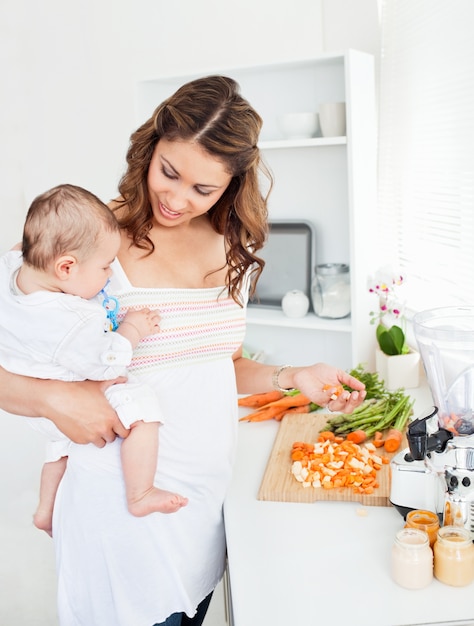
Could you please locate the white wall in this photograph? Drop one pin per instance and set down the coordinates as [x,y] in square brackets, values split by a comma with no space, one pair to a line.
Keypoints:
[67,110]
[69,70]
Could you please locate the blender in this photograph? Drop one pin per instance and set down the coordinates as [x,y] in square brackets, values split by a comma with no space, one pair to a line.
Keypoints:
[436,472]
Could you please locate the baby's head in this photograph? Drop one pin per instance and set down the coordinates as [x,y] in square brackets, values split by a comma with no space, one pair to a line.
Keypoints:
[72,234]
[65,220]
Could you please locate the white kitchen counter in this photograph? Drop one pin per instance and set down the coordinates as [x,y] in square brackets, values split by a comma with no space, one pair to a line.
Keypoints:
[323,563]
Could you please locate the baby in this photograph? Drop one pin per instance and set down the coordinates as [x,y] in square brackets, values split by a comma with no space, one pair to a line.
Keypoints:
[57,322]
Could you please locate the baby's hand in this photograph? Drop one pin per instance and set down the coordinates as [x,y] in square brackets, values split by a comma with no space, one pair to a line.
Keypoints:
[145,321]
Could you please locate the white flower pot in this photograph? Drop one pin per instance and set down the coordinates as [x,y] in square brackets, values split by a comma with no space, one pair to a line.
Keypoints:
[399,370]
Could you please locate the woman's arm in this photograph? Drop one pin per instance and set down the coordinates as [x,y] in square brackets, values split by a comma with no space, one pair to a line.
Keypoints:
[312,380]
[80,409]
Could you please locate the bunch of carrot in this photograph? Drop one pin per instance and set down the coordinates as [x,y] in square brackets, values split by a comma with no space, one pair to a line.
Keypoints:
[274,405]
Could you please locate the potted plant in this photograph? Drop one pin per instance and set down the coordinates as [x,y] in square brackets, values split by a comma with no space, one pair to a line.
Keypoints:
[395,361]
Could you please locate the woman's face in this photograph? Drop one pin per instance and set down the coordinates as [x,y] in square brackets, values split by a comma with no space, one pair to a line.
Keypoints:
[184,182]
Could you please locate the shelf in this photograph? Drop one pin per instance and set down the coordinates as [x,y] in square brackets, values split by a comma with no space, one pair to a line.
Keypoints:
[266,316]
[302,143]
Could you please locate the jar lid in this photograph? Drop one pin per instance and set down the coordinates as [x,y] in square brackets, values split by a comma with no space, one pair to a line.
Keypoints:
[329,269]
[413,538]
[456,534]
[422,517]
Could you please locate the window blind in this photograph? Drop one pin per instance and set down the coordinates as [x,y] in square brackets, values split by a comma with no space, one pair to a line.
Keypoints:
[426,148]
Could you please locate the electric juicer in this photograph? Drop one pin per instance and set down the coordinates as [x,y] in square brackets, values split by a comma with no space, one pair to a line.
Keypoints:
[436,471]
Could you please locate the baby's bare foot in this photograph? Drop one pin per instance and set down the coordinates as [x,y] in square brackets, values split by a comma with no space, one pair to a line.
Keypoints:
[43,520]
[156,501]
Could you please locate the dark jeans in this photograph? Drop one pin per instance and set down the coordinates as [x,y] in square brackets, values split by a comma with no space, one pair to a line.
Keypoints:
[180,619]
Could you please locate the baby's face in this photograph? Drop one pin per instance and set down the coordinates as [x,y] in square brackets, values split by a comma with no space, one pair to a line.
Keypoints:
[91,275]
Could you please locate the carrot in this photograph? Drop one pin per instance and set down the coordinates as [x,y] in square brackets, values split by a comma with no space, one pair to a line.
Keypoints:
[265,413]
[269,412]
[289,401]
[295,409]
[378,439]
[357,436]
[301,450]
[326,434]
[278,408]
[393,440]
[336,390]
[394,436]
[257,400]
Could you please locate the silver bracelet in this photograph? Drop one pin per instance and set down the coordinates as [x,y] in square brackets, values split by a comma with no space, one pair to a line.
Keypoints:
[275,377]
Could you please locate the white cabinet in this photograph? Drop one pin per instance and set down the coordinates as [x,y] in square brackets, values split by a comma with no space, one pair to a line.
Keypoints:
[330,182]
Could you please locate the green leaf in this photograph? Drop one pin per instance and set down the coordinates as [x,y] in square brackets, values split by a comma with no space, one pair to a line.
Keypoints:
[391,340]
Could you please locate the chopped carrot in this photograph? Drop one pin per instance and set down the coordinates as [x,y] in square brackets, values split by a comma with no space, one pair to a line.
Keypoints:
[303,445]
[326,434]
[393,440]
[258,400]
[336,390]
[378,439]
[330,465]
[357,436]
[297,455]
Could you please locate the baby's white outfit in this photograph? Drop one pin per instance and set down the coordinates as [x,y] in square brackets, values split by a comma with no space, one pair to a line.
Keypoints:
[64,337]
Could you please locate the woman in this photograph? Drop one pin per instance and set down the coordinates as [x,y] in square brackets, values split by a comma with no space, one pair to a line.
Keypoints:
[193,220]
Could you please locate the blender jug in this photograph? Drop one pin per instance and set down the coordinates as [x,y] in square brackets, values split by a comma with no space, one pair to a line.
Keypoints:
[445,338]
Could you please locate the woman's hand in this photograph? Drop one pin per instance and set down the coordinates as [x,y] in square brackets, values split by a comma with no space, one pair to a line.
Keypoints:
[320,381]
[81,411]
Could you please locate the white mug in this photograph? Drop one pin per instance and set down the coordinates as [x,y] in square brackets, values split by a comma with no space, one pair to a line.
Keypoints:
[332,119]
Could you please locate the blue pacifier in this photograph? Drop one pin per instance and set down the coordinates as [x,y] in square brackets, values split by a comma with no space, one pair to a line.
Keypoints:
[111,305]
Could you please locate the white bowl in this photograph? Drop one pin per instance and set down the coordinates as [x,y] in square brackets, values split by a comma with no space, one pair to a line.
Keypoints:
[299,125]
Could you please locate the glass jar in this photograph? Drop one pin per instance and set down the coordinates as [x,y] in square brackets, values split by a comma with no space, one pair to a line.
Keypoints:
[331,290]
[454,556]
[424,520]
[412,559]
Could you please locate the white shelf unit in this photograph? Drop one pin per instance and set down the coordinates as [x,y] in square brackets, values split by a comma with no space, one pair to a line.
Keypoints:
[329,181]
[266,316]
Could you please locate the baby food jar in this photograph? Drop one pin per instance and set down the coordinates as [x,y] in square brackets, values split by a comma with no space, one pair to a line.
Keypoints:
[412,559]
[424,520]
[454,556]
[331,290]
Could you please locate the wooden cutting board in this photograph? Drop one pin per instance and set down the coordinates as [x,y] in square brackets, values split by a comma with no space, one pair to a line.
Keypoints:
[278,483]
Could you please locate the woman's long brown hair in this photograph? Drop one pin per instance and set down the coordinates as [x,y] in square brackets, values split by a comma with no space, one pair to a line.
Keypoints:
[211,112]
